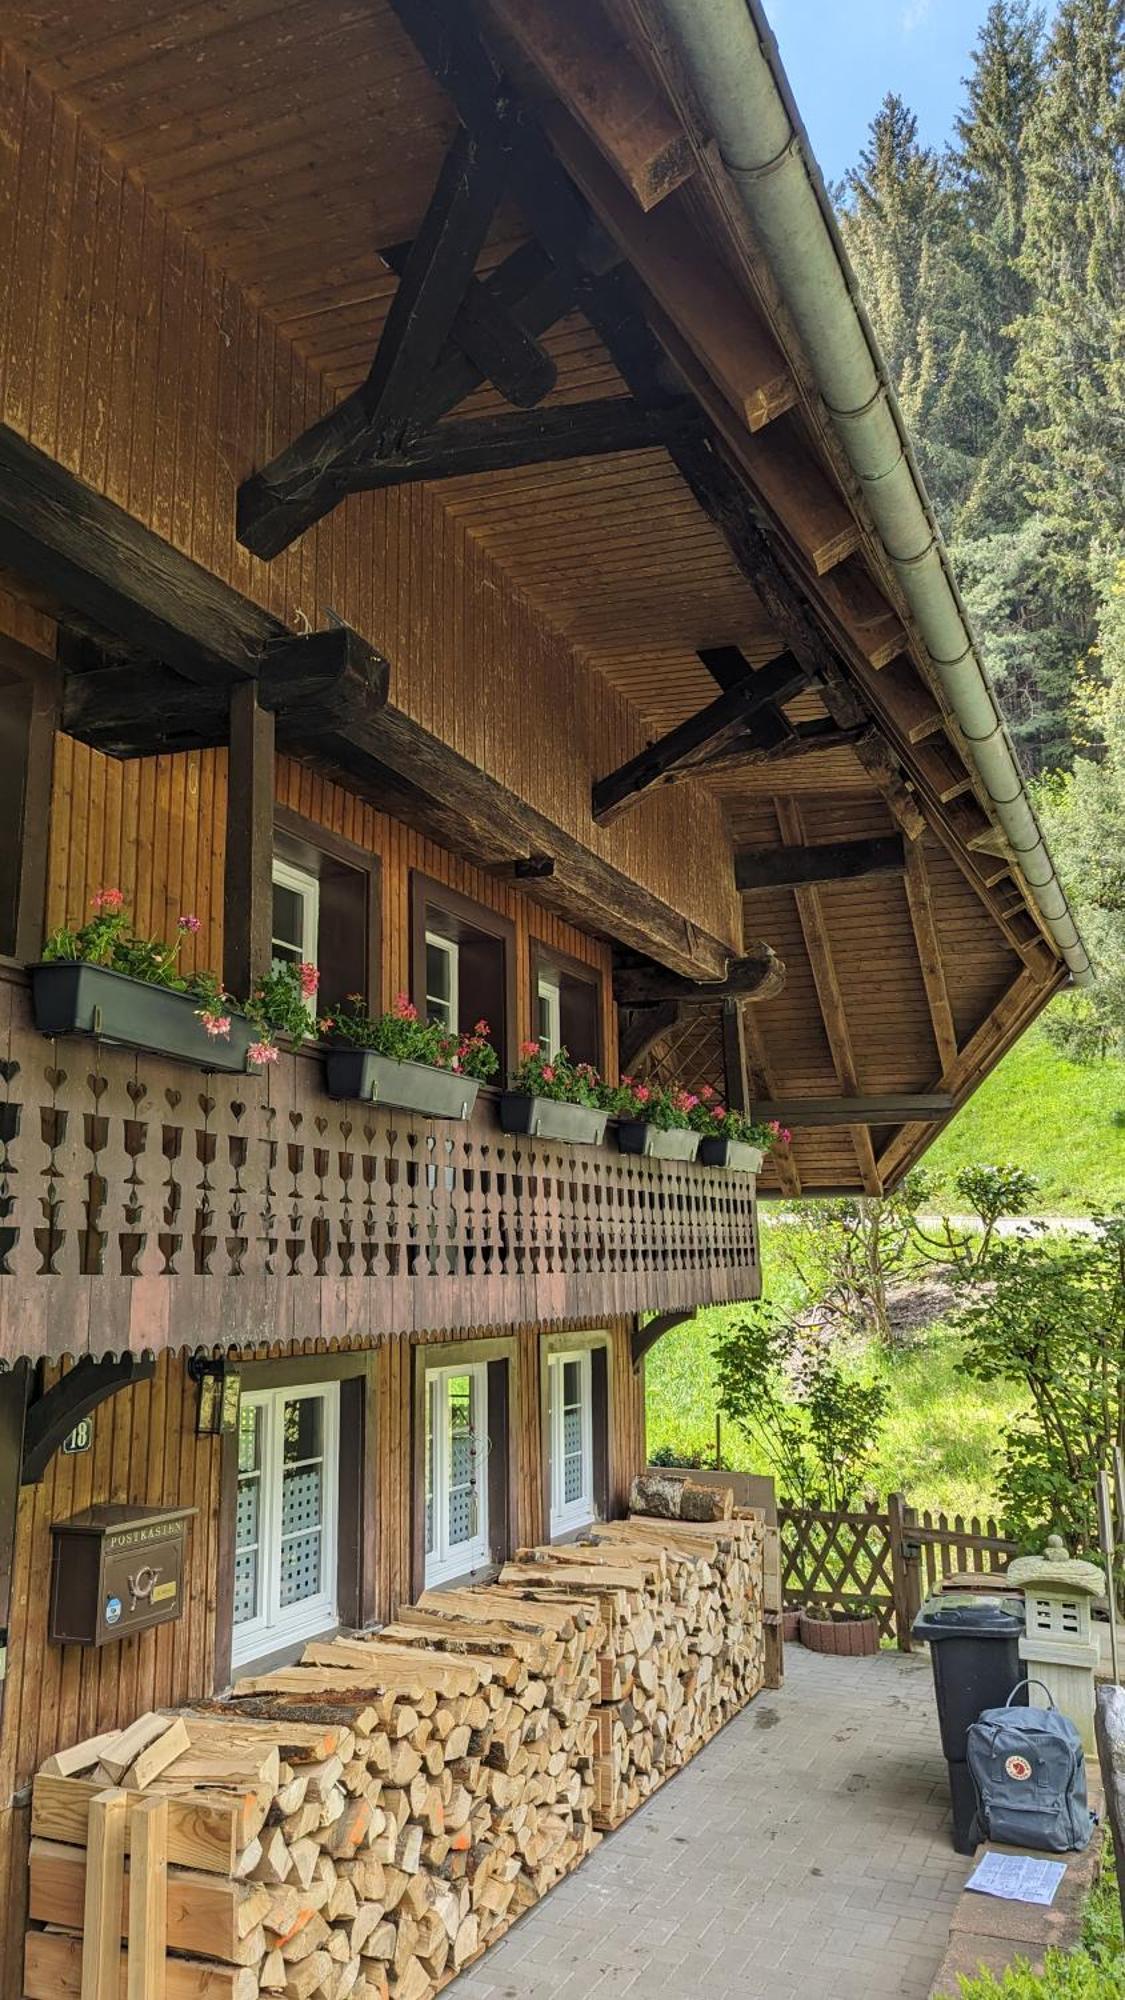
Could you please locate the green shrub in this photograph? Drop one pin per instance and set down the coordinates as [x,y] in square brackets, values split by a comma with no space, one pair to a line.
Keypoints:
[1067,1976]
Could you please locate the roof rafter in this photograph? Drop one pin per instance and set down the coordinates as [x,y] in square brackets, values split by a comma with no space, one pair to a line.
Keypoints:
[810,911]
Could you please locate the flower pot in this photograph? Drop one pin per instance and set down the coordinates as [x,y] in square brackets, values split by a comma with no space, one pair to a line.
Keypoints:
[550,1118]
[634,1135]
[408,1086]
[734,1154]
[71,998]
[845,1636]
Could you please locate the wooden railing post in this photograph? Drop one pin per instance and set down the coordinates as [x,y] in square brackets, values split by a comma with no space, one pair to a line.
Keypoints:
[906,1577]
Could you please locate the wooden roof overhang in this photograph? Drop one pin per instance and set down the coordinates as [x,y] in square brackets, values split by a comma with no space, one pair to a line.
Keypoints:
[505,244]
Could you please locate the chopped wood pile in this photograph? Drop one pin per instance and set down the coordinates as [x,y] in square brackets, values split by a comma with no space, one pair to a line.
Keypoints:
[367,1822]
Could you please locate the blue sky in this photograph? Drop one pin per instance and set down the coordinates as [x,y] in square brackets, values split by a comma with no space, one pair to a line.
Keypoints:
[844,55]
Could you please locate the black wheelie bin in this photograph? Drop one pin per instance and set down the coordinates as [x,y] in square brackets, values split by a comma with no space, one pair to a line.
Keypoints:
[974,1649]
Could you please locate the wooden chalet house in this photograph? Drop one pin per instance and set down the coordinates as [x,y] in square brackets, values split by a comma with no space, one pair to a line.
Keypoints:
[453,528]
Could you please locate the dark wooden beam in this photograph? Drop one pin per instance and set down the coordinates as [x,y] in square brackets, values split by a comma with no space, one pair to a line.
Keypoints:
[830,861]
[614,794]
[795,740]
[890,1108]
[645,1337]
[527,293]
[500,349]
[87,555]
[728,665]
[759,975]
[537,437]
[248,876]
[319,686]
[302,482]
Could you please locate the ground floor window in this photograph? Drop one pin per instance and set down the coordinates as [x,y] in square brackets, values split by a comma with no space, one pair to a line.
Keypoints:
[285,1518]
[570,1406]
[456,1469]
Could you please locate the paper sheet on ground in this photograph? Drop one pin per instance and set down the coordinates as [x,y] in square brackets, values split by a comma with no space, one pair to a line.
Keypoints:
[1018,1878]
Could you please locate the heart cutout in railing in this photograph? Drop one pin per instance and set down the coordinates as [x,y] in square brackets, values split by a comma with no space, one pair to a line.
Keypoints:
[9,1070]
[173,1099]
[207,1105]
[136,1089]
[98,1085]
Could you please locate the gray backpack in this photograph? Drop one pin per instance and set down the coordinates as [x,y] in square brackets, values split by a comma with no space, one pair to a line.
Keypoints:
[1030,1777]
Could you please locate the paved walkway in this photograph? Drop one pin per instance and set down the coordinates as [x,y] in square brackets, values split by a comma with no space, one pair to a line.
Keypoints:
[804,1852]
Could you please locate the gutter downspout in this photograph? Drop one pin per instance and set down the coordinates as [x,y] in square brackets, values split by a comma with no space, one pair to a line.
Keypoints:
[733,62]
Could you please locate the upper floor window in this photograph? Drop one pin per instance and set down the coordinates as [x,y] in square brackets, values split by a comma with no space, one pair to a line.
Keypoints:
[570,1405]
[566,1001]
[456,1471]
[462,955]
[286,1518]
[326,909]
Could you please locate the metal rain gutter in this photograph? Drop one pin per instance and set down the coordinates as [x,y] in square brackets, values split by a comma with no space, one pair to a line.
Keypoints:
[733,62]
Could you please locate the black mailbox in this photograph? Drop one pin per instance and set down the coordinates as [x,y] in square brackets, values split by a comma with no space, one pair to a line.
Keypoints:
[116,1571]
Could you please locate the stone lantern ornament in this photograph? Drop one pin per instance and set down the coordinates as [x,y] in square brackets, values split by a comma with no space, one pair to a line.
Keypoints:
[1059,1647]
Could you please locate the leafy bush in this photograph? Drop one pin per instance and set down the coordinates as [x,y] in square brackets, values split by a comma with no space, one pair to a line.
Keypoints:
[815,1426]
[846,1253]
[1067,1976]
[1051,1314]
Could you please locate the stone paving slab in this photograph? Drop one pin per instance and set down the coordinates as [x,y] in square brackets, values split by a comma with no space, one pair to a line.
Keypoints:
[805,1852]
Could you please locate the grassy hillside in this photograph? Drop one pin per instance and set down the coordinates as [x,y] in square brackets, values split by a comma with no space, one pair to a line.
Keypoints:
[937,1446]
[1055,1117]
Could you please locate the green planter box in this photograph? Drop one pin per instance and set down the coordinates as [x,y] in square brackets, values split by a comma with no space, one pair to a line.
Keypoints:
[635,1135]
[408,1086]
[75,999]
[732,1153]
[548,1118]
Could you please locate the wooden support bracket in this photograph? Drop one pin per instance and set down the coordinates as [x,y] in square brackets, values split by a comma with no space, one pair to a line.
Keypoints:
[645,1337]
[51,1417]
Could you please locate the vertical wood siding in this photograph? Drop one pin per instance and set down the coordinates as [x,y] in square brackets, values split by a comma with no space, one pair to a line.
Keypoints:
[145,1450]
[155,827]
[131,358]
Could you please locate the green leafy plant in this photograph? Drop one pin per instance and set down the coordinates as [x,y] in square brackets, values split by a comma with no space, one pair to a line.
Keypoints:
[556,1077]
[108,938]
[667,1106]
[816,1426]
[846,1253]
[1049,1314]
[990,1193]
[403,1036]
[717,1121]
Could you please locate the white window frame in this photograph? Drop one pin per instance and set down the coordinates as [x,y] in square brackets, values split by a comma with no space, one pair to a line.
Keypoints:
[286,876]
[450,951]
[454,1559]
[273,1627]
[567,1515]
[549,990]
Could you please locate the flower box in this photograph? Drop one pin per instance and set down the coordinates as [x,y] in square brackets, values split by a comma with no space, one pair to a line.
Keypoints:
[407,1086]
[552,1118]
[72,997]
[732,1153]
[635,1135]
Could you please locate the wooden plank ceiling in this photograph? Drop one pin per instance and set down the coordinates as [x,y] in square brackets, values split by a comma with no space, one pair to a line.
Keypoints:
[297,140]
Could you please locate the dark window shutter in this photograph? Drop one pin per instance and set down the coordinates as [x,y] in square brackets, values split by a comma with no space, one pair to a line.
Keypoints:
[342,941]
[480,989]
[578,1018]
[599,1395]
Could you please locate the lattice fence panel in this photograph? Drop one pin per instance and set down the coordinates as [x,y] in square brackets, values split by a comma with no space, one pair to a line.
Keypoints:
[691,1054]
[838,1562]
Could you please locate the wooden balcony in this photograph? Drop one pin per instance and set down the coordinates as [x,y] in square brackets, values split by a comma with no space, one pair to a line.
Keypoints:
[144,1204]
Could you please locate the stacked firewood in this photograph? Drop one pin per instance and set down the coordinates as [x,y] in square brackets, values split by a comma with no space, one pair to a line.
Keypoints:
[366,1822]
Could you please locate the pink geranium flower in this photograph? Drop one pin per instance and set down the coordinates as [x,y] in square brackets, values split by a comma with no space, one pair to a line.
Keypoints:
[529,1048]
[404,1007]
[548,1072]
[108,899]
[309,978]
[216,1024]
[642,1093]
[261,1052]
[190,925]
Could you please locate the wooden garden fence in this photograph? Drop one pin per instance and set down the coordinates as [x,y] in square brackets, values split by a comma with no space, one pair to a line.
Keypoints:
[883,1564]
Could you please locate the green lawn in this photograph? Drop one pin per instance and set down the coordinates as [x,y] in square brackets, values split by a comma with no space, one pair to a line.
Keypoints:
[1054,1117]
